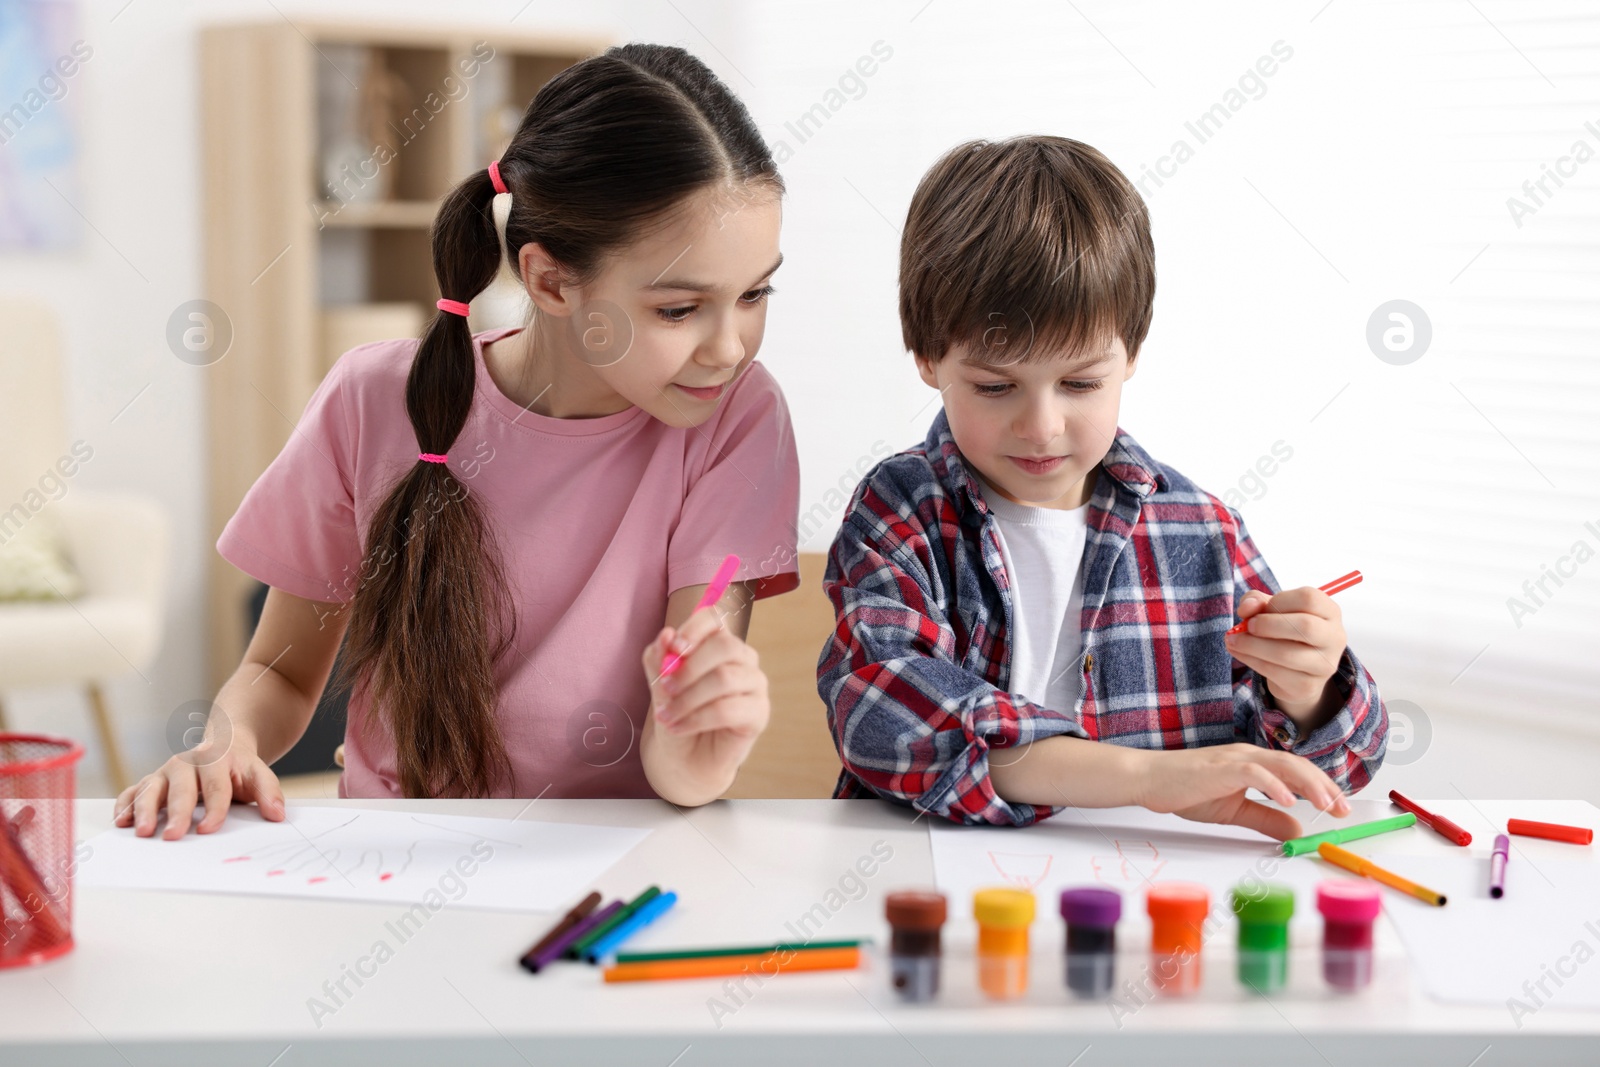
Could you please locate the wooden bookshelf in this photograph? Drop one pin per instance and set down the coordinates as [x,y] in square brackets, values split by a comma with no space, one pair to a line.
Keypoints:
[297,264]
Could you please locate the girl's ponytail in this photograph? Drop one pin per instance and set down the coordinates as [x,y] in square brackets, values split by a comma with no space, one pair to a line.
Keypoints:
[432,613]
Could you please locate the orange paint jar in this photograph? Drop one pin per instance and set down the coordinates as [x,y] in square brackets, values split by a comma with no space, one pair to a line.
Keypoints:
[1178,913]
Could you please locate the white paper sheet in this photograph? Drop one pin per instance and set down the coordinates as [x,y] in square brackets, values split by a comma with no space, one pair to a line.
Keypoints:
[365,854]
[1538,945]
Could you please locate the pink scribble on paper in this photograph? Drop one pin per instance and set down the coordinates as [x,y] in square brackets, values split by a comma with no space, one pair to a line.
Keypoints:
[1135,861]
[1022,870]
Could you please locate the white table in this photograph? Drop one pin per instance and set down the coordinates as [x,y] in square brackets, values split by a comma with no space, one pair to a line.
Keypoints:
[188,978]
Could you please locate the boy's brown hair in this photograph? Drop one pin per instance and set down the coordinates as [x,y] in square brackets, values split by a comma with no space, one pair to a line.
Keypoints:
[1023,250]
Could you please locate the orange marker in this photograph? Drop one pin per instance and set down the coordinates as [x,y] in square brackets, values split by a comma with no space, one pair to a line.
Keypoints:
[1367,869]
[817,959]
[1338,585]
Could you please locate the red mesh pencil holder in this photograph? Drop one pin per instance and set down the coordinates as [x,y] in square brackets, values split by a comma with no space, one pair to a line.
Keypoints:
[36,858]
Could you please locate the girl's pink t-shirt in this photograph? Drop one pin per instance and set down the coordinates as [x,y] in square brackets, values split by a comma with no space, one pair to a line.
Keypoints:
[597,519]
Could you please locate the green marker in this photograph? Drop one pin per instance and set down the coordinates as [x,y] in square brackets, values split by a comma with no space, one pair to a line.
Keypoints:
[737,950]
[580,947]
[1298,846]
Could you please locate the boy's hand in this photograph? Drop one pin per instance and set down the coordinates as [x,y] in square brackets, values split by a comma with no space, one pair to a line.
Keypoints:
[1294,641]
[707,714]
[1208,784]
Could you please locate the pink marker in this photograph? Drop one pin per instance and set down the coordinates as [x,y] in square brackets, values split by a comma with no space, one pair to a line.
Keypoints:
[713,593]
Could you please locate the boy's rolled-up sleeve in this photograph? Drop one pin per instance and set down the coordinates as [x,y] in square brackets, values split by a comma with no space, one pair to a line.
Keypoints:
[1349,746]
[909,722]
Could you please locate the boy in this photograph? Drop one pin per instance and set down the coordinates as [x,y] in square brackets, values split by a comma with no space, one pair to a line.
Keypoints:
[1032,611]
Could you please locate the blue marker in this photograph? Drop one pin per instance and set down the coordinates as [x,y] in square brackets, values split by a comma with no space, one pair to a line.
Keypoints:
[630,926]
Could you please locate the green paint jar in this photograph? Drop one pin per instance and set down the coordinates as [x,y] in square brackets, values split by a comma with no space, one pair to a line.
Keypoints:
[1264,912]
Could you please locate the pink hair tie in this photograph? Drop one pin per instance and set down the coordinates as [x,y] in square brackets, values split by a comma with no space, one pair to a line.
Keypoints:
[498,182]
[431,457]
[454,307]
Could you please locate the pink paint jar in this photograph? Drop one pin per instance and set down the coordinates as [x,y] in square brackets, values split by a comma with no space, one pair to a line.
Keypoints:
[1348,910]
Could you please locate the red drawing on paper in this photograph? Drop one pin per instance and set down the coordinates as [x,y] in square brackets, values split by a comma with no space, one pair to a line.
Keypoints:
[1135,861]
[320,864]
[1022,870]
[317,858]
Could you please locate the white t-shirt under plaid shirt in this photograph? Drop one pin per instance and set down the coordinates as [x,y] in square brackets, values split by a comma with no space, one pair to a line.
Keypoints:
[1043,549]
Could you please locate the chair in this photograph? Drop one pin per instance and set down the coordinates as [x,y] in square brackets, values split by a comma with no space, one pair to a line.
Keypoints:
[795,756]
[117,542]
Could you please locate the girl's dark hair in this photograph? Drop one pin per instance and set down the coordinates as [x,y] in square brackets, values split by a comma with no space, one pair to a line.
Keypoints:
[608,147]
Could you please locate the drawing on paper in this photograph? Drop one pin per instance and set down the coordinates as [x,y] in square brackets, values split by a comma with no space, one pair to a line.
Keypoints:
[1022,870]
[315,858]
[345,852]
[1135,862]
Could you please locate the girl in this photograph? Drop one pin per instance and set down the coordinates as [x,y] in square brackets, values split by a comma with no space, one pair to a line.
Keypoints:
[503,521]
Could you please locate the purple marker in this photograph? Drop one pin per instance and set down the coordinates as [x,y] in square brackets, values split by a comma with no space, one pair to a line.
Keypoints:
[554,949]
[1497,866]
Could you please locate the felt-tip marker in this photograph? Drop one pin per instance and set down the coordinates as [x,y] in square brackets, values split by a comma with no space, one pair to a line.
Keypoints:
[530,958]
[1444,827]
[1497,866]
[713,593]
[1338,585]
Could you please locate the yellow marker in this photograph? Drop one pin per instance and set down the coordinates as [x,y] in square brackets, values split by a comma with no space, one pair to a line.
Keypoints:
[1366,868]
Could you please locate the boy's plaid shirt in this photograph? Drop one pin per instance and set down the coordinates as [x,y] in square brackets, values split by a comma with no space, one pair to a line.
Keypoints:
[916,673]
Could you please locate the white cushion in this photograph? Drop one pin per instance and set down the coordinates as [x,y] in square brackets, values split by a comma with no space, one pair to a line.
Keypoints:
[32,563]
[68,641]
[119,545]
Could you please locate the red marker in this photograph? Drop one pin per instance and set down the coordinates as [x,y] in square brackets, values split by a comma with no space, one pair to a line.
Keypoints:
[713,593]
[1447,829]
[1551,831]
[1338,585]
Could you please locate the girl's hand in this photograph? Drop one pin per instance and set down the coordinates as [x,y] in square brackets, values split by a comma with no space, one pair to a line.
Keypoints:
[1294,641]
[704,717]
[218,771]
[1207,785]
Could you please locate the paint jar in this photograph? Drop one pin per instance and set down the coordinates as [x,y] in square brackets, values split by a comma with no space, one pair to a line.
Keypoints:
[1348,910]
[1178,913]
[915,918]
[1004,916]
[1264,912]
[1091,915]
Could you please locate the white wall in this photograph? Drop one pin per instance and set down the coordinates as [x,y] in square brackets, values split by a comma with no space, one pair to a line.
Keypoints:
[1373,164]
[141,257]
